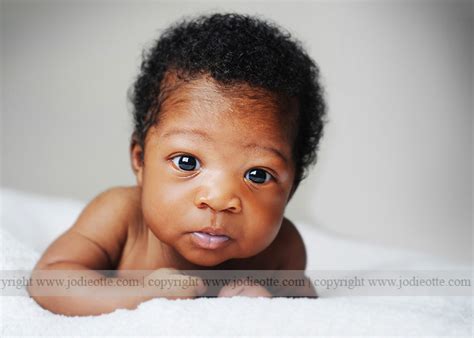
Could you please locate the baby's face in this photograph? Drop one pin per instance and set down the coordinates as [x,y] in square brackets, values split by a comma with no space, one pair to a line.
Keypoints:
[217,172]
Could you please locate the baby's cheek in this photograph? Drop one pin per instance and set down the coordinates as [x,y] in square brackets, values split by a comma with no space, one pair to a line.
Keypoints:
[157,210]
[261,230]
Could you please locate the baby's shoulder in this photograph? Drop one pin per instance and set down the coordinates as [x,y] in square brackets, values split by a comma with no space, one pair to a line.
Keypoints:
[121,206]
[122,198]
[288,248]
[286,252]
[109,218]
[97,238]
[117,204]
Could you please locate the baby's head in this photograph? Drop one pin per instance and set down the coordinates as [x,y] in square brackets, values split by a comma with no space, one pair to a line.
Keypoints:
[228,115]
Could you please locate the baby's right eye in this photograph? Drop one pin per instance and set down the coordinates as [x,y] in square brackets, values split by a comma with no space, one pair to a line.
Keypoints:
[186,162]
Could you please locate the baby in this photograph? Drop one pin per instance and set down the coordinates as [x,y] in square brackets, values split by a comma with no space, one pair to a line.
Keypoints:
[228,114]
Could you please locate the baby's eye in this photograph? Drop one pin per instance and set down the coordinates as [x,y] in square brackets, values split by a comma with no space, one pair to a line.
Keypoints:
[186,162]
[259,176]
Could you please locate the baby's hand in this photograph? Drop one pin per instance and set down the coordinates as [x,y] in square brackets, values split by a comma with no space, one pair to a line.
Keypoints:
[244,290]
[172,284]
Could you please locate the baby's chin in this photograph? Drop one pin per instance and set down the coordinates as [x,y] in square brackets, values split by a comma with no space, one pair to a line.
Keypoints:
[207,258]
[202,257]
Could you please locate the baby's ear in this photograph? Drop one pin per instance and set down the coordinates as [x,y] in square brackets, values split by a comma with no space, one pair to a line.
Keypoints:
[292,191]
[136,159]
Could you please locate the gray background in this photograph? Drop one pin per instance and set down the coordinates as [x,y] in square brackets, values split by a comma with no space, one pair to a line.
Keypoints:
[395,165]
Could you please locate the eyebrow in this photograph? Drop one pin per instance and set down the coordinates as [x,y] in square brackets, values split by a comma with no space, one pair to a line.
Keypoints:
[204,136]
[191,132]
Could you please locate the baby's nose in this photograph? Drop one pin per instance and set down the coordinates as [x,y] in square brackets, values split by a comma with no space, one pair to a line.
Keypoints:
[219,196]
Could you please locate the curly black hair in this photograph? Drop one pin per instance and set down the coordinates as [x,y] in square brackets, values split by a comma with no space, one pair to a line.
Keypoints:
[235,49]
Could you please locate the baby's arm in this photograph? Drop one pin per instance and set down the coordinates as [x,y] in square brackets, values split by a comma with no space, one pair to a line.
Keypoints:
[289,252]
[94,242]
[293,261]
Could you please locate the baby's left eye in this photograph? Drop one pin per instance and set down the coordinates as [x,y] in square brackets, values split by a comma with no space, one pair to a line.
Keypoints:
[258,176]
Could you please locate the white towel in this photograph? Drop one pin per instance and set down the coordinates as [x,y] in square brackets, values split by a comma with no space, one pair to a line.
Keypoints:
[30,222]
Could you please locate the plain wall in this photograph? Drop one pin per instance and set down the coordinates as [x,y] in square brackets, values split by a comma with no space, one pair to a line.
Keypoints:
[395,164]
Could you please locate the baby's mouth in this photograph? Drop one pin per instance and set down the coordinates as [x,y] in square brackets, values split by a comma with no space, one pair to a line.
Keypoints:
[209,240]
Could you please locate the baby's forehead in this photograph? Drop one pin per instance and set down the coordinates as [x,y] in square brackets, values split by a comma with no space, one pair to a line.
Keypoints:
[238,98]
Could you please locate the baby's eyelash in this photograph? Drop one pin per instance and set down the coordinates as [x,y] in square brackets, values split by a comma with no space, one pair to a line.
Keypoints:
[186,162]
[258,176]
[189,163]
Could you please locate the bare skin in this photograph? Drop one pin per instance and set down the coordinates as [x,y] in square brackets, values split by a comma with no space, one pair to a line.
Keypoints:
[217,165]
